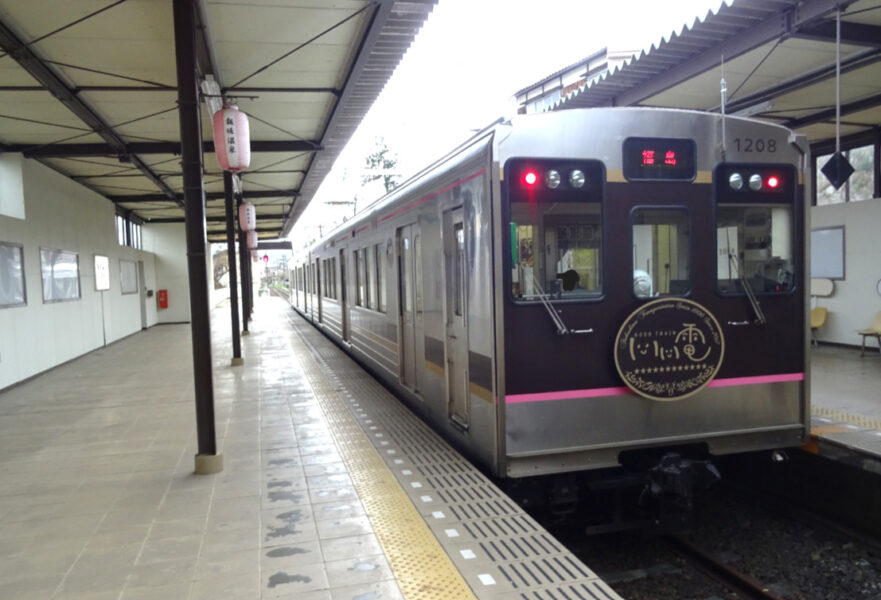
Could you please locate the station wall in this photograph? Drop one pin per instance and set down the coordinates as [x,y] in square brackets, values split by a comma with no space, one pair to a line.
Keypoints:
[168,243]
[61,214]
[854,301]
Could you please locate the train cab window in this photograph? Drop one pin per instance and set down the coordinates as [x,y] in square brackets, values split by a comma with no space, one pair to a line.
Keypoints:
[661,248]
[556,249]
[755,247]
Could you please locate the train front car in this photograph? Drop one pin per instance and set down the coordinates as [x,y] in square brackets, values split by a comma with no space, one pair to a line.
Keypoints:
[650,293]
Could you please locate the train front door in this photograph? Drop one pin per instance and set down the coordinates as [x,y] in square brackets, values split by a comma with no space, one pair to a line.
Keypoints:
[344,307]
[412,345]
[455,309]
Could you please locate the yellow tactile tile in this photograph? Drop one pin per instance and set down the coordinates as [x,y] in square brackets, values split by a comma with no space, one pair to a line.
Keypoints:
[864,421]
[420,565]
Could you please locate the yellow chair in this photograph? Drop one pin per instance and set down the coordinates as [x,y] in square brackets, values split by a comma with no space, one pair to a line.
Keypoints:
[818,319]
[873,330]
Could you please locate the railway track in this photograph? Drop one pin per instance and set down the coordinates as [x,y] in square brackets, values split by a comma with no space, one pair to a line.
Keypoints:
[742,547]
[744,586]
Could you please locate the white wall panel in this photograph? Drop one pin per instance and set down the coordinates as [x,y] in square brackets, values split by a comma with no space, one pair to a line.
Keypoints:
[62,214]
[854,302]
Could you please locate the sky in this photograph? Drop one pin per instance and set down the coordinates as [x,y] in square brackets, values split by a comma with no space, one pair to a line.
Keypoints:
[463,68]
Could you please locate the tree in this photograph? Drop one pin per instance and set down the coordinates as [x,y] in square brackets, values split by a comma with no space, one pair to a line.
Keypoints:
[221,268]
[380,164]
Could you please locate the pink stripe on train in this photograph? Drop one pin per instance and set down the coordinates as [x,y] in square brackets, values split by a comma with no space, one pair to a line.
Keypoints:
[617,391]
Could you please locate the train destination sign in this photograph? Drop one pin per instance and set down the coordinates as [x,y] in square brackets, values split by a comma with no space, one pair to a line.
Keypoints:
[669,349]
[659,159]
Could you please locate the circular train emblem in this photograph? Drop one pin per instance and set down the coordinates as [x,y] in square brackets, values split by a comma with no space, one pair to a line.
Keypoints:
[669,349]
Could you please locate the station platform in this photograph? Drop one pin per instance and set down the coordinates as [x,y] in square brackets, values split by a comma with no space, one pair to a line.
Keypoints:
[846,406]
[330,488]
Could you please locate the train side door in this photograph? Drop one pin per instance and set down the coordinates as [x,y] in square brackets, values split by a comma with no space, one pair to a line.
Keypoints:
[406,306]
[344,307]
[412,345]
[456,311]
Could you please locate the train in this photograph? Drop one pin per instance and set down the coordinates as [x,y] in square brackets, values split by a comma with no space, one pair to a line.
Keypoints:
[586,291]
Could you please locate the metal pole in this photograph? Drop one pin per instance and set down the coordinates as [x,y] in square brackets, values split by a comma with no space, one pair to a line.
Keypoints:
[233,278]
[244,257]
[207,459]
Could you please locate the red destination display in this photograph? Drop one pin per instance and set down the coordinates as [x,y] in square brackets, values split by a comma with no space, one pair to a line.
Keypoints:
[665,159]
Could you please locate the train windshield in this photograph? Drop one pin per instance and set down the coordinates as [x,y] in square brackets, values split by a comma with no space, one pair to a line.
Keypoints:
[755,245]
[661,251]
[556,250]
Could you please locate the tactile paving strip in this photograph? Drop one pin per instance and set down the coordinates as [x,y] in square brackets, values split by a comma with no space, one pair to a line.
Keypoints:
[864,421]
[421,567]
[500,551]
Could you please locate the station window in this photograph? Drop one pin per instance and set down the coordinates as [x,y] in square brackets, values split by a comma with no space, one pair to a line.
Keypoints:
[755,245]
[128,232]
[556,249]
[661,250]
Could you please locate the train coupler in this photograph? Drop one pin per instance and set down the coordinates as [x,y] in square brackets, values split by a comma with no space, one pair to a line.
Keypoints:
[671,488]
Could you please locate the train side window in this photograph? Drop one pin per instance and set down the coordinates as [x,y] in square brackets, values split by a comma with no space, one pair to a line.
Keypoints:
[755,244]
[406,276]
[661,246]
[359,277]
[370,269]
[459,269]
[417,259]
[382,293]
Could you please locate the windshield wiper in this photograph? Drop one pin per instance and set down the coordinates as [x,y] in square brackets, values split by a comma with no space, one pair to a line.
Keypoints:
[748,290]
[555,316]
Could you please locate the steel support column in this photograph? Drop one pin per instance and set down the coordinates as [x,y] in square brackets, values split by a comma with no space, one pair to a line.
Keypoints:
[244,257]
[207,459]
[233,279]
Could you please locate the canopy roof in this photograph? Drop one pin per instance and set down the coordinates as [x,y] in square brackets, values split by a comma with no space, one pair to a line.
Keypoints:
[779,64]
[89,89]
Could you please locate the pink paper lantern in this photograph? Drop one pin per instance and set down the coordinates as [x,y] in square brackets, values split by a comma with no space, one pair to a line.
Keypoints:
[232,139]
[247,216]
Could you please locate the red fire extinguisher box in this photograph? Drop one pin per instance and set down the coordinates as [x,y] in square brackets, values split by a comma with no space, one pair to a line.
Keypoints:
[162,298]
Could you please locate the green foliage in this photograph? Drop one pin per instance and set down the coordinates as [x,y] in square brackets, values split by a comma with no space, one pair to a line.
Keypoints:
[380,164]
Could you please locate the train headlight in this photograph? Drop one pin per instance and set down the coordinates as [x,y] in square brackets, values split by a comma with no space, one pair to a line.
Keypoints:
[577,179]
[552,179]
[735,181]
[755,182]
[773,181]
[529,178]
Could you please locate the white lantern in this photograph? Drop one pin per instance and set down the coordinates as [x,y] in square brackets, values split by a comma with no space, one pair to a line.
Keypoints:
[252,240]
[247,216]
[232,139]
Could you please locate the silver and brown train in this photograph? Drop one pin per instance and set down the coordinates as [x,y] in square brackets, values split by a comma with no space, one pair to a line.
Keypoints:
[578,290]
